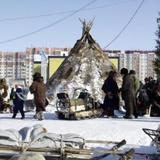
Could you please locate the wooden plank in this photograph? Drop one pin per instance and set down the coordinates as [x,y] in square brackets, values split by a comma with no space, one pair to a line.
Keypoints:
[101,141]
[78,157]
[114,149]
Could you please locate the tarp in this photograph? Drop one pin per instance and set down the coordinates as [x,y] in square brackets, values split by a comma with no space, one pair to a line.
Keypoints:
[38,137]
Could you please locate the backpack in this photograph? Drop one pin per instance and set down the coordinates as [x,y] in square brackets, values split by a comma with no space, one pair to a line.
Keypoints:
[143,96]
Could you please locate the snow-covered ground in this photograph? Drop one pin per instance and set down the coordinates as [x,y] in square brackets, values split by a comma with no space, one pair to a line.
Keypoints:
[110,129]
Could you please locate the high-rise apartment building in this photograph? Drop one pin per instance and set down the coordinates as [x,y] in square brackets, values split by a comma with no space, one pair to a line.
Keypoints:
[140,61]
[16,66]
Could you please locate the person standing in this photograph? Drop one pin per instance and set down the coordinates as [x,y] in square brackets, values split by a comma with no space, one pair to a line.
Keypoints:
[12,97]
[38,88]
[136,86]
[3,93]
[136,80]
[128,93]
[18,103]
[155,110]
[110,89]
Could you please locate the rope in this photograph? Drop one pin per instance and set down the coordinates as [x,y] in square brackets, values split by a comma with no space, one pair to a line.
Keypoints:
[61,147]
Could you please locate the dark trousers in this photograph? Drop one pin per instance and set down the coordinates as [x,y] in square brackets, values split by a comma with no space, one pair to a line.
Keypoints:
[130,105]
[108,106]
[16,109]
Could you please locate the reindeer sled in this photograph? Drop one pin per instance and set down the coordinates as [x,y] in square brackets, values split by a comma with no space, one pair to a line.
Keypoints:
[77,108]
[52,146]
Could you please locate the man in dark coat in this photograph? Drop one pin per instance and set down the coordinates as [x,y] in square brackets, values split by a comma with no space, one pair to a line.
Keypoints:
[110,89]
[128,94]
[38,88]
[155,111]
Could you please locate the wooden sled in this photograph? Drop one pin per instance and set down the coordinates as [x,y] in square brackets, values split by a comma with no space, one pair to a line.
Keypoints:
[77,108]
[7,152]
[70,153]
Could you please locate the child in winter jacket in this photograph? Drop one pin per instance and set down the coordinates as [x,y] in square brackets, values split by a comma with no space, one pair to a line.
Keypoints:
[18,103]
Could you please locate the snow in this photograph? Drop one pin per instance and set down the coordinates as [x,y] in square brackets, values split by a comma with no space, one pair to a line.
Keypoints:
[110,129]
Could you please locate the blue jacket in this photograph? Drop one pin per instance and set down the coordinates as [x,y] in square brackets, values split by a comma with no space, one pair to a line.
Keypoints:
[19,98]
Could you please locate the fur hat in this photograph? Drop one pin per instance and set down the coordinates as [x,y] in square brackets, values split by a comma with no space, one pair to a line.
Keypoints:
[124,71]
[37,75]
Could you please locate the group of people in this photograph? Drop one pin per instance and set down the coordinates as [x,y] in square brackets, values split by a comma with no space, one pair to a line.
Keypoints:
[135,95]
[37,88]
[148,99]
[130,93]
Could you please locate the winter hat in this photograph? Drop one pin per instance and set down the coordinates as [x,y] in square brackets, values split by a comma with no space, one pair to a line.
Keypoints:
[37,75]
[19,90]
[124,71]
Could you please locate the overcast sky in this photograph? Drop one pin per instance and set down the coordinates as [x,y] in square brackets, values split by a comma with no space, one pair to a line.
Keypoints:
[55,23]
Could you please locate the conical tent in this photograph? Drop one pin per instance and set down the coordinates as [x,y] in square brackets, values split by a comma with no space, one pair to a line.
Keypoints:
[85,68]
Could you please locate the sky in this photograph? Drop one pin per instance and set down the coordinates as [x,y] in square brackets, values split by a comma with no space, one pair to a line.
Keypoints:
[55,23]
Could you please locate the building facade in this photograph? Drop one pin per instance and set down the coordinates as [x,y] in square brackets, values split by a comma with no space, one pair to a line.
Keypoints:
[140,61]
[16,66]
[19,66]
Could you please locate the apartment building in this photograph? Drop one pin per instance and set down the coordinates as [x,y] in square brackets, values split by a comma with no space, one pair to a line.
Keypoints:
[16,66]
[140,61]
[19,66]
